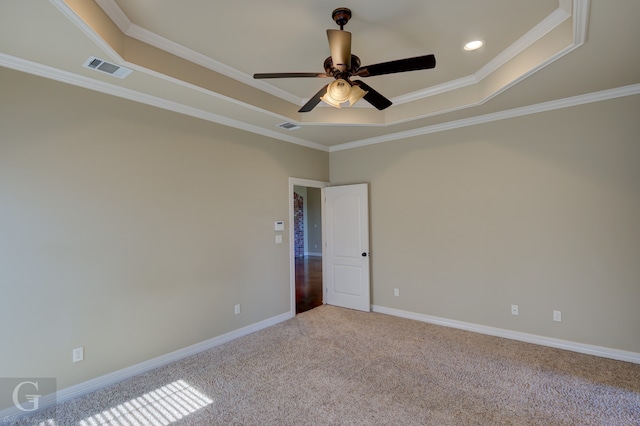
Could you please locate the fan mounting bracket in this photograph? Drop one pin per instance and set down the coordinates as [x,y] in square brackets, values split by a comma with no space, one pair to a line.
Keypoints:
[341,16]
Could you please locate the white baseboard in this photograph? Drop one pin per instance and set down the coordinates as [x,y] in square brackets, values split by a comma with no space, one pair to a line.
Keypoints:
[134,370]
[92,385]
[516,335]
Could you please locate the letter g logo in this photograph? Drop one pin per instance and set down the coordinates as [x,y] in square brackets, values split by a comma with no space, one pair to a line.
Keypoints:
[31,398]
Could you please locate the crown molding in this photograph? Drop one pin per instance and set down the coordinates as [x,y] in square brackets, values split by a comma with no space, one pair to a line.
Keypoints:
[141,34]
[578,9]
[581,20]
[116,14]
[46,71]
[190,55]
[580,13]
[88,31]
[501,115]
[558,16]
[547,25]
[111,89]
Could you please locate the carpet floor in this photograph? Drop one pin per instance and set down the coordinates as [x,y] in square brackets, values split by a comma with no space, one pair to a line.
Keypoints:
[334,366]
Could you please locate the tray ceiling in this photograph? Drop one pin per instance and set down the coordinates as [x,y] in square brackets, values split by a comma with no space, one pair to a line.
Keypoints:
[197,58]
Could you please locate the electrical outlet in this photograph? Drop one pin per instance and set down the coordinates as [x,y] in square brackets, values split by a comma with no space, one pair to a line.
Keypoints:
[557,316]
[236,309]
[78,354]
[396,292]
[514,310]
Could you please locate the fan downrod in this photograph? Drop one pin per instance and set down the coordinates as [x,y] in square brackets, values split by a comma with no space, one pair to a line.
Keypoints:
[341,16]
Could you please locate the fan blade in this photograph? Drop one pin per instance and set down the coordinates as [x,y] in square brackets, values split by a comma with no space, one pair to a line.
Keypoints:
[315,100]
[291,75]
[373,97]
[401,65]
[340,46]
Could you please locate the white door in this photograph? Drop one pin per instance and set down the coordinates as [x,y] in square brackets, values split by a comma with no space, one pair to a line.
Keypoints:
[346,251]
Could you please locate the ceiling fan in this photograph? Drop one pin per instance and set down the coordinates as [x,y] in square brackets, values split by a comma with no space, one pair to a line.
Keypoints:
[342,65]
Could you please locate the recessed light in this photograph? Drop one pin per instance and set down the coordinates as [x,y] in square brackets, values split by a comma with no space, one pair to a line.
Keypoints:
[473,45]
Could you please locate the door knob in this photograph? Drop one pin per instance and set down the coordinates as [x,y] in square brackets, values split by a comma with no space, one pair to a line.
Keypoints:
[364,254]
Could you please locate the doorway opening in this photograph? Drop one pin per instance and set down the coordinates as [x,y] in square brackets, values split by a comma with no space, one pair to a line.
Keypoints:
[306,243]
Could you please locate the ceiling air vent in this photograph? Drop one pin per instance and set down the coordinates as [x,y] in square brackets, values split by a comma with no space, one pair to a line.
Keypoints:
[289,126]
[106,67]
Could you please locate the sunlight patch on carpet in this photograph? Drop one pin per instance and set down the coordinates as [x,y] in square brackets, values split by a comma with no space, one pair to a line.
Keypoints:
[163,406]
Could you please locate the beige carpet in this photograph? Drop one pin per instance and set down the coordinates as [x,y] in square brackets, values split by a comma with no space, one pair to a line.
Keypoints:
[333,366]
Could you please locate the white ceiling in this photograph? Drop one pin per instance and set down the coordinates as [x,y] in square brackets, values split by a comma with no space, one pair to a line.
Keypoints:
[198,58]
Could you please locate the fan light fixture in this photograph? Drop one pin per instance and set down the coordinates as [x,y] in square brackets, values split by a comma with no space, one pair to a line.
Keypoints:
[340,92]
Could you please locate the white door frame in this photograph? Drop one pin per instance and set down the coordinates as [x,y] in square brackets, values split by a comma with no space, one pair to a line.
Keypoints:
[292,262]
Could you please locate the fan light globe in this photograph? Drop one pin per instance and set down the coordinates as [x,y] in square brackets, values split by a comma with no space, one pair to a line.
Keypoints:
[356,94]
[337,93]
[340,91]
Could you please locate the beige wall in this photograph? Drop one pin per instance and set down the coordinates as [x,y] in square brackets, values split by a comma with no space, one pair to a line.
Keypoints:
[130,230]
[542,211]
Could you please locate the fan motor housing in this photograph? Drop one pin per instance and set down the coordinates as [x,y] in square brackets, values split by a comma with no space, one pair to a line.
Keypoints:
[333,71]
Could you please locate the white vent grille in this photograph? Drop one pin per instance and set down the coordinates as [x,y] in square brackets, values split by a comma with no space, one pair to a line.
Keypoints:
[106,67]
[289,126]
